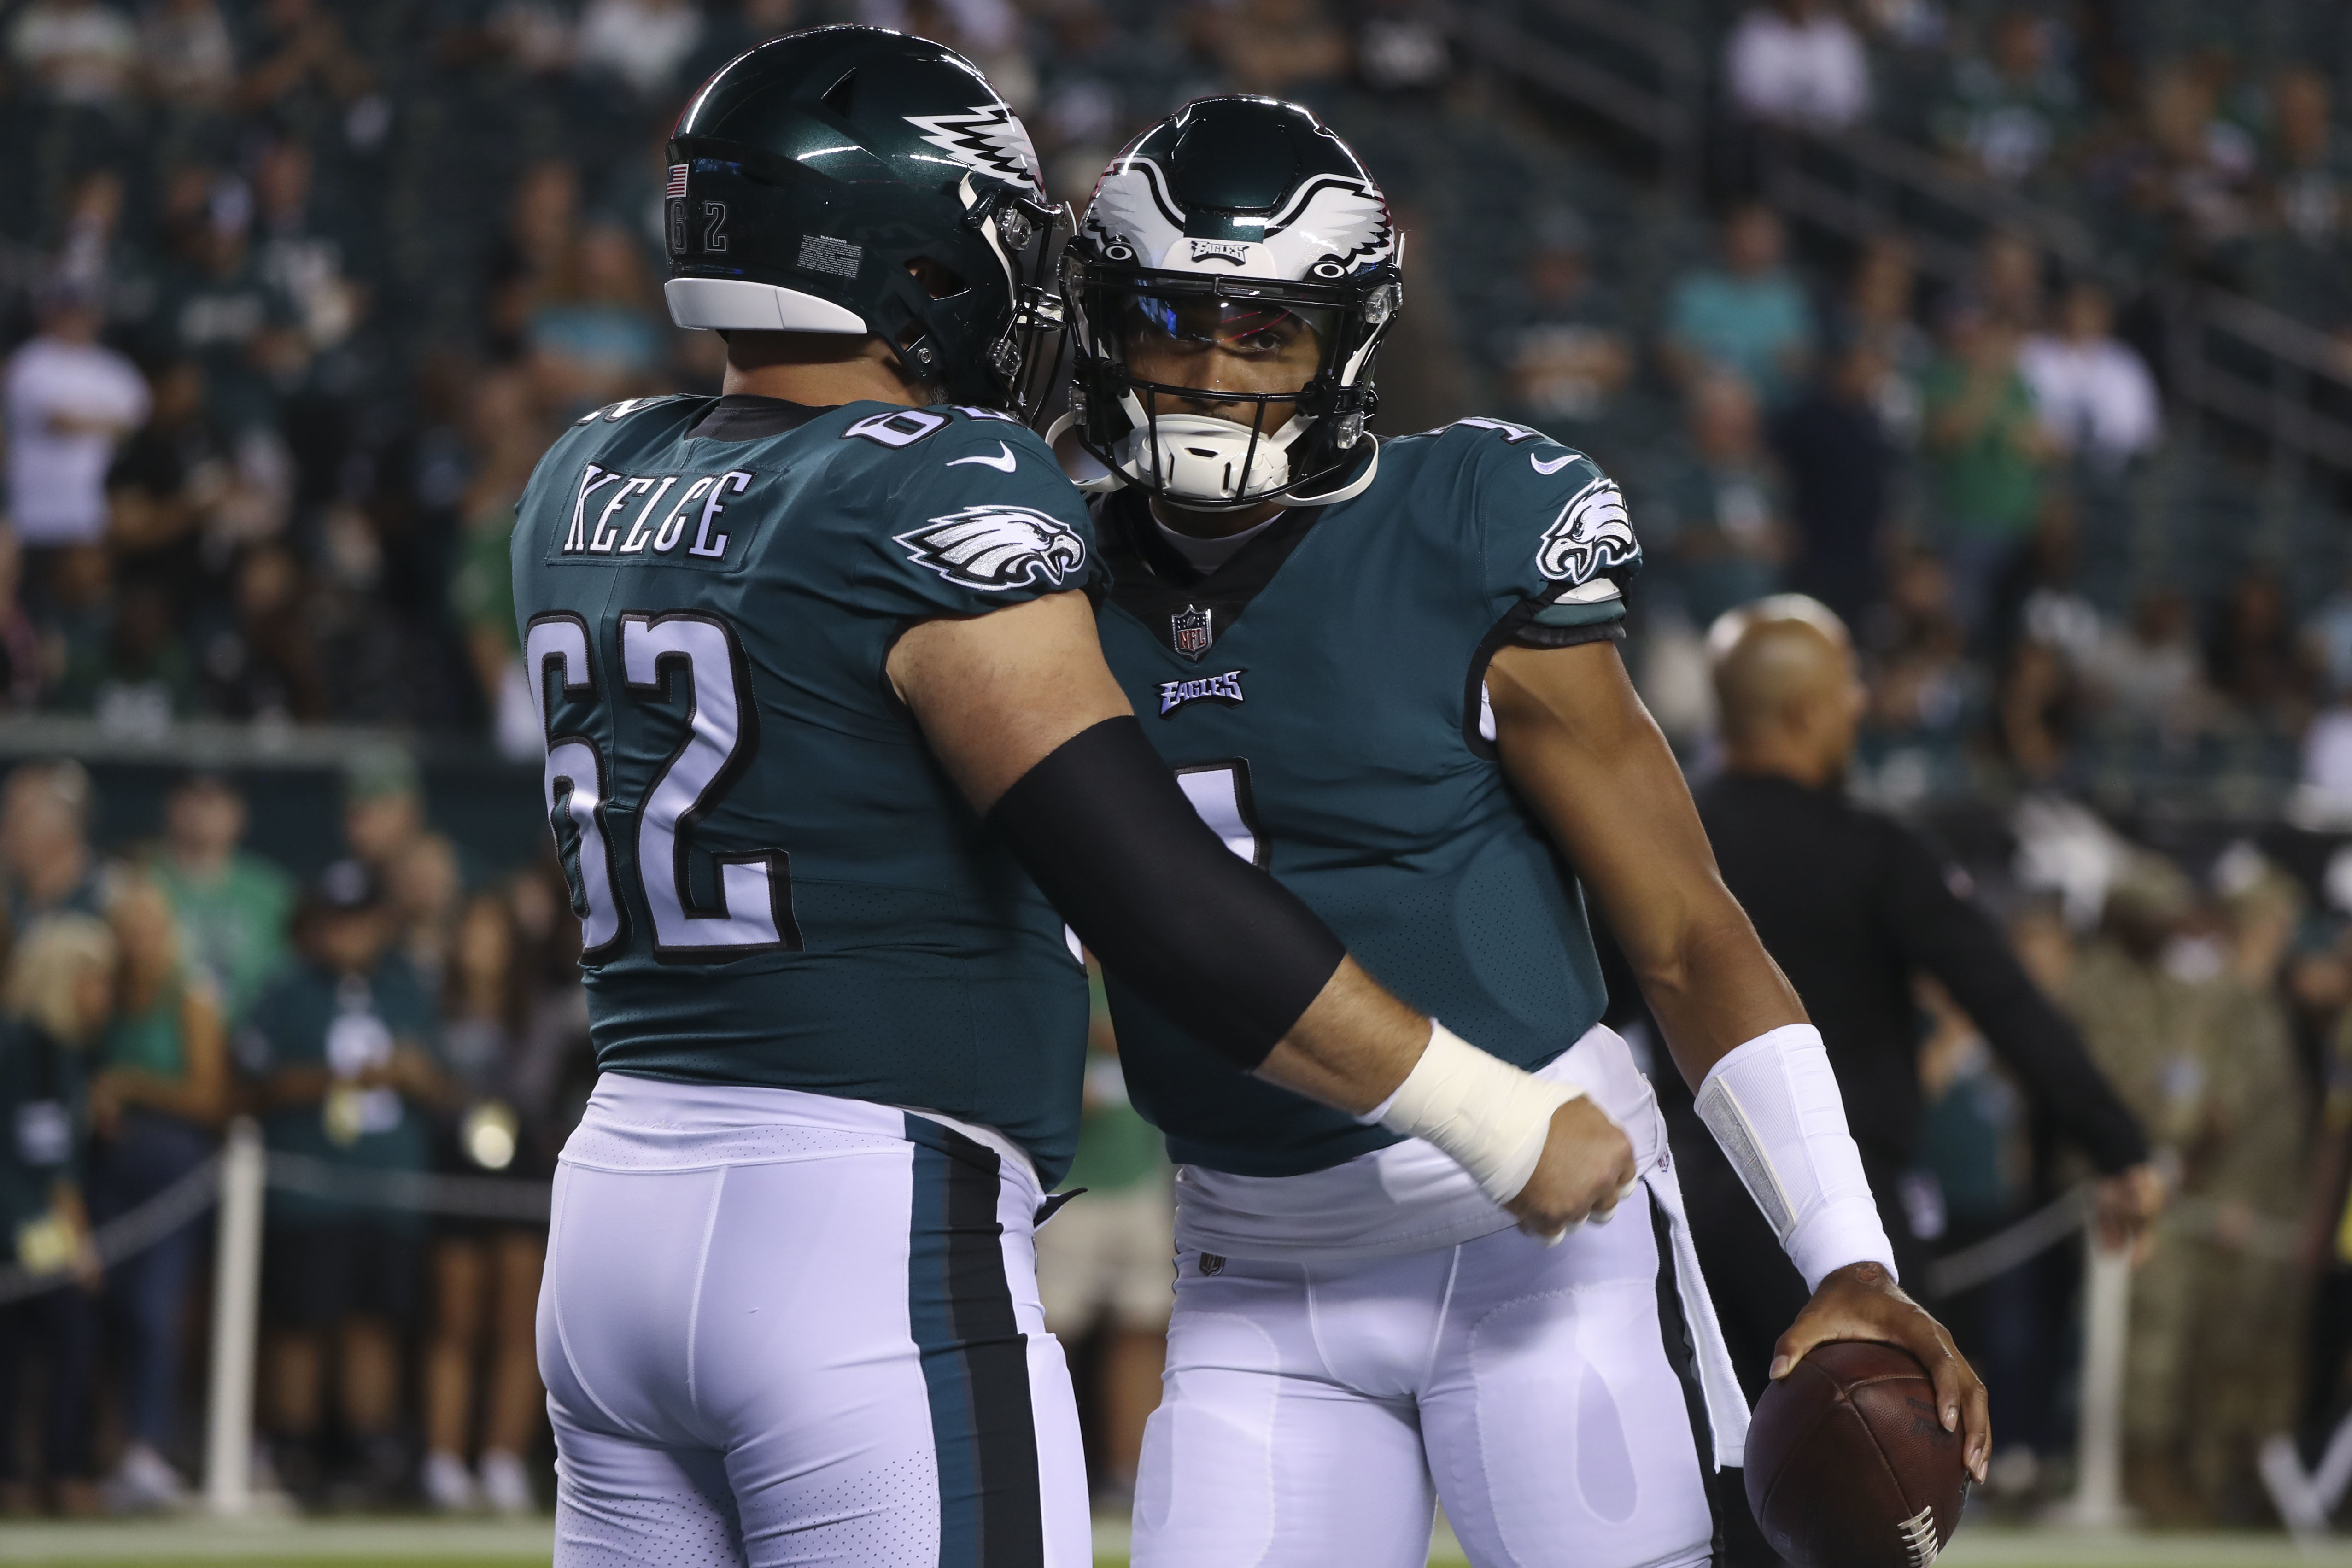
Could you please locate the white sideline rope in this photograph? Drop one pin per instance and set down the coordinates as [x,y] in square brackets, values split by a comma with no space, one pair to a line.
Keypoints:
[128,1233]
[131,1232]
[2003,1250]
[2270,1240]
[471,1197]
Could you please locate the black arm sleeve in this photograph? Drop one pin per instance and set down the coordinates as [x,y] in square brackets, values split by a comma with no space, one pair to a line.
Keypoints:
[1954,941]
[1209,939]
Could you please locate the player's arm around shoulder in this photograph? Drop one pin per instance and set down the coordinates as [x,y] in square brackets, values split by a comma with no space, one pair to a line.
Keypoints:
[1024,714]
[998,692]
[1000,549]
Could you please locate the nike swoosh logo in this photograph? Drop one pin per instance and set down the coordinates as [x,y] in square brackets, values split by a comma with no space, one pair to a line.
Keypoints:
[1003,462]
[1555,466]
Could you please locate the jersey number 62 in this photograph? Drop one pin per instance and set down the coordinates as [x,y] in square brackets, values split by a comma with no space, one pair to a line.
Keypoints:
[753,909]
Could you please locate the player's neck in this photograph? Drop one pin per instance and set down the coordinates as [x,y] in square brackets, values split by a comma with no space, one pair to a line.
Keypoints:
[1212,524]
[818,370]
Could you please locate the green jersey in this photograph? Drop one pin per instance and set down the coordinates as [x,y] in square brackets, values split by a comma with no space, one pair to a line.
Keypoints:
[233,925]
[779,886]
[1320,695]
[347,1024]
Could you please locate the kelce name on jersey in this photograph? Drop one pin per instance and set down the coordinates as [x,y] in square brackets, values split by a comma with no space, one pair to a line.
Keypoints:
[604,495]
[1226,688]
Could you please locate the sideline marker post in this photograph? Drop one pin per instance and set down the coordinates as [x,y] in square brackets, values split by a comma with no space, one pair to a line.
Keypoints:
[236,1301]
[2098,1500]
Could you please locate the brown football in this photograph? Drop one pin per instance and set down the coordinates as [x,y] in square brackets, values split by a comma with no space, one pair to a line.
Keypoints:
[1849,1465]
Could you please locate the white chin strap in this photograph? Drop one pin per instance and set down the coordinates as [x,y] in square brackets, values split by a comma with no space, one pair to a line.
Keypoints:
[1200,457]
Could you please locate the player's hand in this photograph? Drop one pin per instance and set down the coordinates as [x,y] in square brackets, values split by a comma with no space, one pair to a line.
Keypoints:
[1861,1301]
[2127,1204]
[1587,1163]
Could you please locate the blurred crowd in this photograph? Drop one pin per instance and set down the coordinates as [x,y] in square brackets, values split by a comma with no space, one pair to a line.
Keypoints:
[295,292]
[393,1015]
[2205,141]
[2210,984]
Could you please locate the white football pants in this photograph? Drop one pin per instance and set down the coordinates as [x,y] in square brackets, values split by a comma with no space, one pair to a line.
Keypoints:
[781,1328]
[1547,1396]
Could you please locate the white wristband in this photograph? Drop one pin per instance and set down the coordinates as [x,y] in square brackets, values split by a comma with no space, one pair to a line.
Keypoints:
[1774,1106]
[1490,1116]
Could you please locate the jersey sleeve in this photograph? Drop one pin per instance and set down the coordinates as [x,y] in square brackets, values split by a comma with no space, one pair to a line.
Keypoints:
[1552,537]
[976,516]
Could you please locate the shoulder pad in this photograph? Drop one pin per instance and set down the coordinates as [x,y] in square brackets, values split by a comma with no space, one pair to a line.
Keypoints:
[1549,520]
[613,412]
[959,435]
[1468,429]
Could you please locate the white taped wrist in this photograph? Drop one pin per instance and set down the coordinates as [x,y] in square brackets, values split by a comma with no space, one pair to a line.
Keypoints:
[1490,1116]
[1773,1105]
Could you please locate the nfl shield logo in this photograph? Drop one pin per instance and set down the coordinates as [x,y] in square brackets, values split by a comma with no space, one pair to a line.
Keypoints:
[1188,628]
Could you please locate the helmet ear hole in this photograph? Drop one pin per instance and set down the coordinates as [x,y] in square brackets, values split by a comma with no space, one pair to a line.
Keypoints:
[940,280]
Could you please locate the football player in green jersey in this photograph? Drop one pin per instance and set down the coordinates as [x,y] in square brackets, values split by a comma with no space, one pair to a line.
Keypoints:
[832,753]
[1386,671]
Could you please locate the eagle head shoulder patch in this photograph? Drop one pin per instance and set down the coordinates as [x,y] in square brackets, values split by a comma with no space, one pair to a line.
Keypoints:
[993,548]
[1591,534]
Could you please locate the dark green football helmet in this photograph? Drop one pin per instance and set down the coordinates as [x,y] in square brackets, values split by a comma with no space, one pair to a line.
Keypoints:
[853,180]
[1241,224]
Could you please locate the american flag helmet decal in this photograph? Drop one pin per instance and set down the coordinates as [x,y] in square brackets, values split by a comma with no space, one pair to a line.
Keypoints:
[678,180]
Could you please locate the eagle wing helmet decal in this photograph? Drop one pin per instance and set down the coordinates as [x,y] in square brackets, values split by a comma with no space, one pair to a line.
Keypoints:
[1330,218]
[987,141]
[994,548]
[1590,535]
[1132,206]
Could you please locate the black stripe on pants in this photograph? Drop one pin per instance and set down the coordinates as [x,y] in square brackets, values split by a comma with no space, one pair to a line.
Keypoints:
[975,1358]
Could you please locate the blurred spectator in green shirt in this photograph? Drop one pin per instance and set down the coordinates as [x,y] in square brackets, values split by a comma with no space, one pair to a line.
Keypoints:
[341,1052]
[1748,316]
[2013,108]
[231,904]
[1566,348]
[1987,452]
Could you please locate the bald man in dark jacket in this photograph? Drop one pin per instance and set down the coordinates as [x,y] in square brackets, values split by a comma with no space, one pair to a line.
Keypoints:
[1853,905]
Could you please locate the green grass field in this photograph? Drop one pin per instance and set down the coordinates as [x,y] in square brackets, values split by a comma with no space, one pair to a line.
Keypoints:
[426,1543]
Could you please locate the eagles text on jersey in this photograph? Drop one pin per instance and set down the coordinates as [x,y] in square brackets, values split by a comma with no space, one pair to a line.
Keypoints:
[1358,770]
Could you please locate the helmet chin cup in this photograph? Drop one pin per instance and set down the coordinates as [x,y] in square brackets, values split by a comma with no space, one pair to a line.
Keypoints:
[1200,457]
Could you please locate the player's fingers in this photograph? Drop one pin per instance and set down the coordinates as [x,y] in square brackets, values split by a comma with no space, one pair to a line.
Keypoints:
[1978,1427]
[1946,1371]
[1960,1399]
[1790,1348]
[1974,1407]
